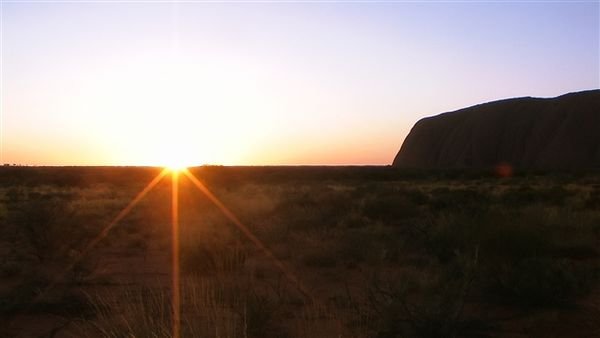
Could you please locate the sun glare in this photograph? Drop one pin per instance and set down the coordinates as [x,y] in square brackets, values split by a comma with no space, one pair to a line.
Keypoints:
[176,167]
[177,153]
[177,162]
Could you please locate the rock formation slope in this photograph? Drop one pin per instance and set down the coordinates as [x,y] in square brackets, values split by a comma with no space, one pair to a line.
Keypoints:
[534,133]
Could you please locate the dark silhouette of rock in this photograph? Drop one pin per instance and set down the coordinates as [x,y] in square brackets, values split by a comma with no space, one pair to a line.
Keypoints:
[530,133]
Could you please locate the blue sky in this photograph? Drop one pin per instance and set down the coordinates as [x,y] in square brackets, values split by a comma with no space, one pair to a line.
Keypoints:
[271,83]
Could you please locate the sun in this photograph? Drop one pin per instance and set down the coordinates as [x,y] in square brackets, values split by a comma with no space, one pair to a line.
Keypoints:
[176,168]
[176,162]
[176,156]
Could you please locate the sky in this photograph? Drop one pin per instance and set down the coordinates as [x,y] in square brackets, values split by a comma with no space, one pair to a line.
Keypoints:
[267,83]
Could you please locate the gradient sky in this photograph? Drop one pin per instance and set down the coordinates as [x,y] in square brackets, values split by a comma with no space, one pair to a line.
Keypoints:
[143,83]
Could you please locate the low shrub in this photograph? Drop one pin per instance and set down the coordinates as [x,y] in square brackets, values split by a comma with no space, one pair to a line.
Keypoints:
[539,281]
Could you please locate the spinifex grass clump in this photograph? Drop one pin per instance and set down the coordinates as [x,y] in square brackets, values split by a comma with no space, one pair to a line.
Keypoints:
[209,309]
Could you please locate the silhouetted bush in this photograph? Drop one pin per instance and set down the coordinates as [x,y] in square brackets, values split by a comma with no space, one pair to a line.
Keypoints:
[48,225]
[527,195]
[393,207]
[460,199]
[539,281]
[426,303]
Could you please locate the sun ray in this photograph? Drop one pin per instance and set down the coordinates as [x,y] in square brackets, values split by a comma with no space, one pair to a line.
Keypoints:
[235,220]
[86,250]
[123,212]
[175,254]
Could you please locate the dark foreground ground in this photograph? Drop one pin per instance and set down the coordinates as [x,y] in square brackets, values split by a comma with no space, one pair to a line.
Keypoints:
[359,252]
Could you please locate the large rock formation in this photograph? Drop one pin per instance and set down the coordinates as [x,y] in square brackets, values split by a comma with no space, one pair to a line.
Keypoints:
[533,133]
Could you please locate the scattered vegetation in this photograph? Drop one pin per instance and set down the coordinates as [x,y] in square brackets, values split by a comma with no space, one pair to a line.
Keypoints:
[361,252]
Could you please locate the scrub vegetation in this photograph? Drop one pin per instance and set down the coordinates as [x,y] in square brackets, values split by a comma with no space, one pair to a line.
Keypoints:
[363,252]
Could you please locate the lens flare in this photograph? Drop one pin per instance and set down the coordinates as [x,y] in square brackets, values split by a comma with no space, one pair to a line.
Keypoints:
[175,255]
[103,233]
[177,168]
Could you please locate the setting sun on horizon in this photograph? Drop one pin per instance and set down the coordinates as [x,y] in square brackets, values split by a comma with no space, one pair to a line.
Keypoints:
[299,168]
[192,83]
